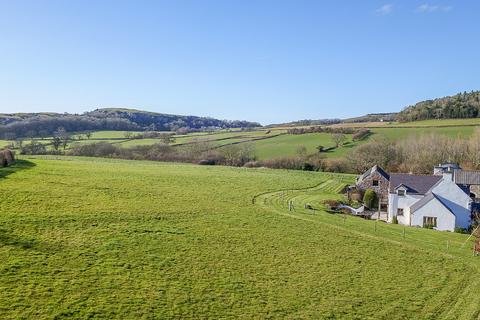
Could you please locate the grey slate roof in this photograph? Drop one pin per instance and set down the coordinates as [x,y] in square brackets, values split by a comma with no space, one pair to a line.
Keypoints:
[466,177]
[419,184]
[429,197]
[371,170]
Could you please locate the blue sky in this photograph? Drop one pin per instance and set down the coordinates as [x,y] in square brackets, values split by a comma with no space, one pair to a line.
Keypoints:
[267,61]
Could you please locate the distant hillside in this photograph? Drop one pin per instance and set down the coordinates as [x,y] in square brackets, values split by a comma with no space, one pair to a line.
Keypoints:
[373,117]
[462,105]
[307,122]
[44,124]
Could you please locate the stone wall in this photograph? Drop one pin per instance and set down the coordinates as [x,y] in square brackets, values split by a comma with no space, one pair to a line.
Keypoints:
[475,189]
[381,190]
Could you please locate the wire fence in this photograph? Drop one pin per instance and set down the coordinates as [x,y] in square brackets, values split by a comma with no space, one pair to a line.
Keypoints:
[297,202]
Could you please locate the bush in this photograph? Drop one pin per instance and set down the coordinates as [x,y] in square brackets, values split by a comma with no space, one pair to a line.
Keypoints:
[395,220]
[460,230]
[331,204]
[6,157]
[206,162]
[336,165]
[98,149]
[238,155]
[253,164]
[361,134]
[308,167]
[293,163]
[369,198]
[33,148]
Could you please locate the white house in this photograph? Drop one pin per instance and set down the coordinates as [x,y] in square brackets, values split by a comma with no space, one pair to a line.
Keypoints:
[428,200]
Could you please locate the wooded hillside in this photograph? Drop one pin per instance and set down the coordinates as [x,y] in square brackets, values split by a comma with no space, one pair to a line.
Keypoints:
[462,105]
[44,124]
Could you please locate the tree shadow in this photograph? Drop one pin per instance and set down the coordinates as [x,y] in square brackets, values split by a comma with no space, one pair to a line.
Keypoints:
[19,165]
[9,239]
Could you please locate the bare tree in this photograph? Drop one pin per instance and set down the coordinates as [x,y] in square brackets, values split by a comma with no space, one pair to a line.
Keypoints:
[61,137]
[377,152]
[301,151]
[338,139]
[56,143]
[474,149]
[167,138]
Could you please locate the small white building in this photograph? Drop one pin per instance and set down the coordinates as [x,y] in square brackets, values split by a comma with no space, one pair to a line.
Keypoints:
[435,201]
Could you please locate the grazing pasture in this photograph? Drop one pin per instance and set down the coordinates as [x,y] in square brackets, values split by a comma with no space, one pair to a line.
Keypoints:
[97,238]
[275,142]
[287,145]
[402,133]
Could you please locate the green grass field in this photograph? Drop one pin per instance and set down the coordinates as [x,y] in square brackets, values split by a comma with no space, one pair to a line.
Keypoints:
[278,143]
[402,133]
[287,145]
[95,238]
[421,123]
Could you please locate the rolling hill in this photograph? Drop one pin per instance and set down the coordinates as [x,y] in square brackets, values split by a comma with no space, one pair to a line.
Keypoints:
[101,238]
[44,124]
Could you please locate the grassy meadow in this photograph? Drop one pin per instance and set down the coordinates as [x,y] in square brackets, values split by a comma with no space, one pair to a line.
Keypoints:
[96,238]
[275,142]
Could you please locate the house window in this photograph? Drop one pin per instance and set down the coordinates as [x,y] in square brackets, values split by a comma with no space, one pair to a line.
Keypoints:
[399,212]
[401,193]
[429,222]
[375,183]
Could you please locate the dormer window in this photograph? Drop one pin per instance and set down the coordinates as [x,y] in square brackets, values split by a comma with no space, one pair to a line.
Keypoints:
[401,192]
[375,183]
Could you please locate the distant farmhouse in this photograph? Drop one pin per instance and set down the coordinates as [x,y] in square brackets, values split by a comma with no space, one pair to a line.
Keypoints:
[442,201]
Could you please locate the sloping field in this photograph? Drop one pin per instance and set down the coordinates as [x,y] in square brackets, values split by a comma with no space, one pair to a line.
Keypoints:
[421,123]
[402,133]
[287,145]
[93,238]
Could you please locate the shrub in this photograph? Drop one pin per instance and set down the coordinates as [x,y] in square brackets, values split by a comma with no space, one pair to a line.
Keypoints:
[98,149]
[308,167]
[238,155]
[33,148]
[206,162]
[6,157]
[331,204]
[361,134]
[293,163]
[395,220]
[253,164]
[336,165]
[460,230]
[369,198]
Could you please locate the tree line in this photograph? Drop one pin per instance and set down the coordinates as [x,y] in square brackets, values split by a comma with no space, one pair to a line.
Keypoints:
[45,124]
[416,154]
[461,105]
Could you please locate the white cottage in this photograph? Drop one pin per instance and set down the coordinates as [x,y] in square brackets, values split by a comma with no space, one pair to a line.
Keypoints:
[428,200]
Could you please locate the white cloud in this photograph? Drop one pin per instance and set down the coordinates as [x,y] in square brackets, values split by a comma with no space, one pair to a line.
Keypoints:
[385,9]
[428,8]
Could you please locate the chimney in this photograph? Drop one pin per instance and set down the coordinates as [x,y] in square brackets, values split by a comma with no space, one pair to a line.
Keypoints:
[448,176]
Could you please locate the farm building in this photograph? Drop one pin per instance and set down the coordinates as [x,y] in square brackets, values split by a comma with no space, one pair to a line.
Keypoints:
[6,157]
[442,201]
